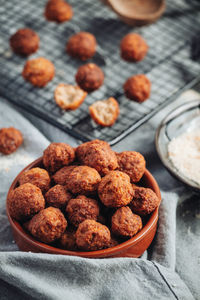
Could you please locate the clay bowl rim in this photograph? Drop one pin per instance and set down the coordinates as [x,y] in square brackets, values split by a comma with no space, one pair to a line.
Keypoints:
[42,247]
[146,17]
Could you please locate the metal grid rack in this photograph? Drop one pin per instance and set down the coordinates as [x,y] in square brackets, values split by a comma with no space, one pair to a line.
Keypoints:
[168,64]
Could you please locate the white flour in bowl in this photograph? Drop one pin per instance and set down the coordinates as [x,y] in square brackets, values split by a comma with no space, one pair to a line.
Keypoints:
[184,153]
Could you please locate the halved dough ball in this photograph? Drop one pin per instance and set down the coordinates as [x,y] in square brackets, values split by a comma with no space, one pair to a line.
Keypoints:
[105,112]
[68,96]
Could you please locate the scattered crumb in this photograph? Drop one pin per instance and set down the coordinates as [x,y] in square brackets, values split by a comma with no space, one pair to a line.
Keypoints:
[7,162]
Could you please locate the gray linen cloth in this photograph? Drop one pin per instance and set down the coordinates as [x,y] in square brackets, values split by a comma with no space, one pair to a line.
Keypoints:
[44,276]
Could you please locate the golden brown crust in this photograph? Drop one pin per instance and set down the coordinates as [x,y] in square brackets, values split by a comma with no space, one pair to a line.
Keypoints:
[68,240]
[97,154]
[48,225]
[38,71]
[144,201]
[62,176]
[132,163]
[38,177]
[25,41]
[105,112]
[81,45]
[89,77]
[137,88]
[133,47]
[57,196]
[82,208]
[125,223]
[58,11]
[57,155]
[25,201]
[69,97]
[92,235]
[83,180]
[115,189]
[10,140]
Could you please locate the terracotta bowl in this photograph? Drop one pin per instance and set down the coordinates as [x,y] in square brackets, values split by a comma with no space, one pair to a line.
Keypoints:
[134,247]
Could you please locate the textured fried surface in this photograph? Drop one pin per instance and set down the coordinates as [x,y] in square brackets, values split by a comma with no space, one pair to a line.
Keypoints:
[97,154]
[57,155]
[37,176]
[81,209]
[57,196]
[25,201]
[137,88]
[48,225]
[82,45]
[83,180]
[133,47]
[92,235]
[10,140]
[144,201]
[125,223]
[38,71]
[62,175]
[115,189]
[131,163]
[68,240]
[58,11]
[25,41]
[89,77]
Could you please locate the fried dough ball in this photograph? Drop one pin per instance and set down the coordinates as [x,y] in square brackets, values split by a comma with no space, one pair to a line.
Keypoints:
[133,47]
[69,97]
[25,41]
[81,209]
[89,77]
[105,112]
[10,140]
[58,11]
[57,196]
[137,88]
[82,45]
[97,154]
[62,175]
[48,225]
[144,201]
[92,235]
[131,163]
[125,223]
[83,180]
[115,189]
[113,242]
[38,71]
[25,201]
[38,177]
[68,240]
[57,155]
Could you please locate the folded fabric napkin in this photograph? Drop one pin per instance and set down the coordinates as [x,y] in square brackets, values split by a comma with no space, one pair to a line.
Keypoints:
[44,276]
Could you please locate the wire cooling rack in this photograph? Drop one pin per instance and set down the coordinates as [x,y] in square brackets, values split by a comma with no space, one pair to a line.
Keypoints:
[169,64]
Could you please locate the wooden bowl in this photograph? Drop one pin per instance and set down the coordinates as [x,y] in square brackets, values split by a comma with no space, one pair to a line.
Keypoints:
[137,12]
[134,247]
